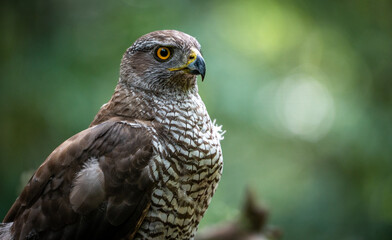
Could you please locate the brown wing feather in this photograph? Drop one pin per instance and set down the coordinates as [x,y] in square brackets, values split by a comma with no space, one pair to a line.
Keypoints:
[43,209]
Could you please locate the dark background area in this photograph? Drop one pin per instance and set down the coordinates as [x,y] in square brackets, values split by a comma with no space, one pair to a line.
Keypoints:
[303,89]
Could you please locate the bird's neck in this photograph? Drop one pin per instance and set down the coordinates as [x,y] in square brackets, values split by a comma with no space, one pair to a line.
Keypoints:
[132,103]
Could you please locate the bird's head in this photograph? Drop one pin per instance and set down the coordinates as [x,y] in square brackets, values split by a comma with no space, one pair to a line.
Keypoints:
[163,61]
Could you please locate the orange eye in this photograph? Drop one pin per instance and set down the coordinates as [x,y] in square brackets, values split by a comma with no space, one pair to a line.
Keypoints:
[163,53]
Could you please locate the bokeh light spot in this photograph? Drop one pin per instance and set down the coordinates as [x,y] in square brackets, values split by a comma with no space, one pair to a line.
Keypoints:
[305,107]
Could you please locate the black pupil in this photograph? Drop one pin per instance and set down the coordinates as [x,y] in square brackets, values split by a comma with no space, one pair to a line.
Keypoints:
[164,52]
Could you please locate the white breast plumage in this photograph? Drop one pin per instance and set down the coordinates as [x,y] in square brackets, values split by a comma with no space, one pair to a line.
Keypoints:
[187,174]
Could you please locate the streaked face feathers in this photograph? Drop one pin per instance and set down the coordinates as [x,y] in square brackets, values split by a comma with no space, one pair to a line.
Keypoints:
[149,62]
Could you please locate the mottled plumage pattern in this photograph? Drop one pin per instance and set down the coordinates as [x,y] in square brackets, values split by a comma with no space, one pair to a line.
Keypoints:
[146,168]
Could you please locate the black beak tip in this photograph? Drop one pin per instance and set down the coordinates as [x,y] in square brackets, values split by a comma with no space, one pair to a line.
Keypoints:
[202,68]
[200,72]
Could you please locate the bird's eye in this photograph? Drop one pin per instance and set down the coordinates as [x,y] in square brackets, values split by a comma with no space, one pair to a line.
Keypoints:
[163,53]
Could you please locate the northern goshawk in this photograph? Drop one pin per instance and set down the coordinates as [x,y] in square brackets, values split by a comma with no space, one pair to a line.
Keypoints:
[146,168]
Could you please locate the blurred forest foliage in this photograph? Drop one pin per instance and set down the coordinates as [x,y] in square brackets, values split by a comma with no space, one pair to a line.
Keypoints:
[303,89]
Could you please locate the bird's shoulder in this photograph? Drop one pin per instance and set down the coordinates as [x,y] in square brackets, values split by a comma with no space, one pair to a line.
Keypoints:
[92,168]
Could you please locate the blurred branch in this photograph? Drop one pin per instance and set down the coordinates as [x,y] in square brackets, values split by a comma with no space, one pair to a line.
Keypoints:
[250,225]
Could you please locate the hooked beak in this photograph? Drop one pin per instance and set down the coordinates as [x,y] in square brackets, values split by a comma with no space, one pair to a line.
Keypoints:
[195,64]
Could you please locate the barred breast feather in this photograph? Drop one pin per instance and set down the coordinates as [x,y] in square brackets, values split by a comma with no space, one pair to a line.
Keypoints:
[186,168]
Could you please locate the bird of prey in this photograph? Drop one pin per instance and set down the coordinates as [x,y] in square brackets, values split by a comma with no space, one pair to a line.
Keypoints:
[146,168]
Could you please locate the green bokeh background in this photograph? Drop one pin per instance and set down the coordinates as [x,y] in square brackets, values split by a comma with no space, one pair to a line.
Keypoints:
[303,89]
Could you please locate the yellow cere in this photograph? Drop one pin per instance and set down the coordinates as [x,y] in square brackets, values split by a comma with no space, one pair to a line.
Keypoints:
[191,58]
